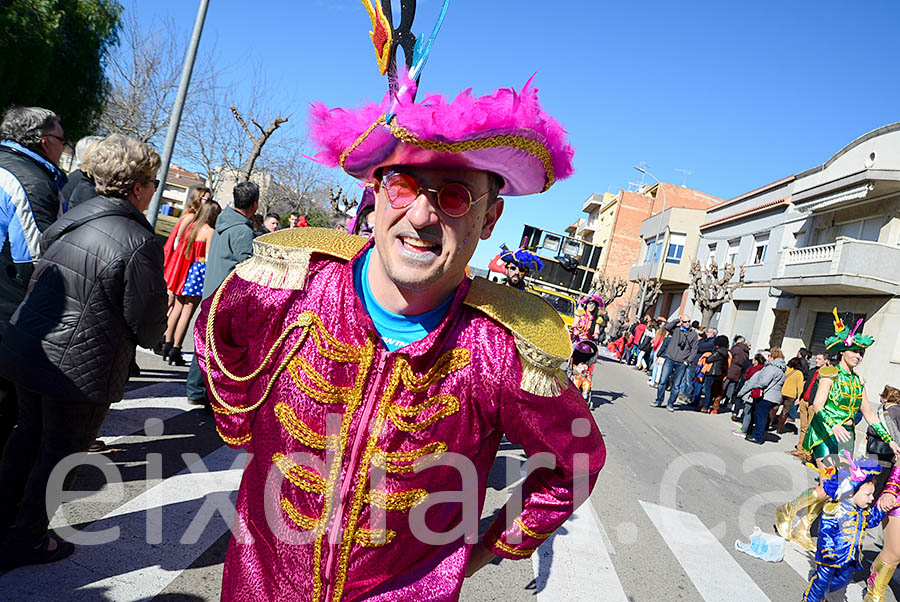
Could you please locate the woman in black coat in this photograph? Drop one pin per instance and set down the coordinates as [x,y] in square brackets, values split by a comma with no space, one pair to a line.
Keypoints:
[96,292]
[718,366]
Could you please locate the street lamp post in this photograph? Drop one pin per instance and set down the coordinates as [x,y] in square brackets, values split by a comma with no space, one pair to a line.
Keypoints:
[175,118]
[655,240]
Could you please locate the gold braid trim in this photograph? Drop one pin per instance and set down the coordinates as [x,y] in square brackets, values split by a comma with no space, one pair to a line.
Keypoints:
[212,353]
[233,440]
[405,462]
[401,372]
[522,143]
[400,501]
[373,538]
[360,140]
[531,146]
[299,476]
[299,430]
[307,523]
[449,406]
[529,532]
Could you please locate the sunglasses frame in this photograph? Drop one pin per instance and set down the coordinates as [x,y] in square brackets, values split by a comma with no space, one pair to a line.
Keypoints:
[437,191]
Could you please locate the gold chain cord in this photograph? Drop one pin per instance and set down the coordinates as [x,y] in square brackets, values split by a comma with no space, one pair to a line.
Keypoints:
[303,321]
[529,145]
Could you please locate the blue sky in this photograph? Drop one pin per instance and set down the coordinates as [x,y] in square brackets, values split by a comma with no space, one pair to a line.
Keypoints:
[742,94]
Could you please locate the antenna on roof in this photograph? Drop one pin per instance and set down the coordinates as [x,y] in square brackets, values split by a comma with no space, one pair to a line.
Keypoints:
[685,173]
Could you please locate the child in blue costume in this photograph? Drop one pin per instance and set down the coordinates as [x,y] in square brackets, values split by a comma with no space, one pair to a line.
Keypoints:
[844,525]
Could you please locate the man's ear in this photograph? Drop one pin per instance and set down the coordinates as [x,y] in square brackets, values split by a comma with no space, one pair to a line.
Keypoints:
[491,215]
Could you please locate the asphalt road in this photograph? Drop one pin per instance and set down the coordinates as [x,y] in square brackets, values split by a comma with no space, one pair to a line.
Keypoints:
[676,492]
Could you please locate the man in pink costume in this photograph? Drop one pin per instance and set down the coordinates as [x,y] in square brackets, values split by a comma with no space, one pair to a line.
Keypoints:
[373,382]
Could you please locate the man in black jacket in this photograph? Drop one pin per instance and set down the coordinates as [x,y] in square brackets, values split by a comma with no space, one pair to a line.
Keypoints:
[31,142]
[97,292]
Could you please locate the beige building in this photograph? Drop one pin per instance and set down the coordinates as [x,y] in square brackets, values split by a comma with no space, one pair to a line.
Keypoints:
[669,245]
[847,252]
[614,223]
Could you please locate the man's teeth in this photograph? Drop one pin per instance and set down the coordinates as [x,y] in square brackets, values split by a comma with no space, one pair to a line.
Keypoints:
[418,243]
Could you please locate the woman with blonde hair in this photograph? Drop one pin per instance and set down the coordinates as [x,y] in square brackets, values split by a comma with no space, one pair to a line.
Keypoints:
[191,251]
[176,269]
[97,291]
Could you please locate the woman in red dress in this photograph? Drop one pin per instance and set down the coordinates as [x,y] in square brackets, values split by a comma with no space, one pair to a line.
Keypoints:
[176,266]
[192,251]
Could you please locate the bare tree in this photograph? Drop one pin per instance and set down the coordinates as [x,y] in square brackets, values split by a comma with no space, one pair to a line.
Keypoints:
[712,287]
[341,203]
[611,289]
[259,140]
[144,72]
[654,287]
[210,138]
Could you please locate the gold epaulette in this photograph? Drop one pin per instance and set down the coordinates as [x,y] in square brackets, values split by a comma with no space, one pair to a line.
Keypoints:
[541,335]
[828,371]
[281,259]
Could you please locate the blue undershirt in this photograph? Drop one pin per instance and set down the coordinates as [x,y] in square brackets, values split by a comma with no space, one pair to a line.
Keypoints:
[395,330]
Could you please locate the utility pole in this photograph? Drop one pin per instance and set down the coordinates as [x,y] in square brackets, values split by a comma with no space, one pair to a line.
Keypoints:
[175,118]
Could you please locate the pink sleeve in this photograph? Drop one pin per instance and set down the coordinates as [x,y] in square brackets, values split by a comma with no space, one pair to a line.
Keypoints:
[893,482]
[563,429]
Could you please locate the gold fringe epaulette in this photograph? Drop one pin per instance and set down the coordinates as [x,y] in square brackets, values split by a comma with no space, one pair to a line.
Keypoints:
[541,335]
[281,259]
[828,371]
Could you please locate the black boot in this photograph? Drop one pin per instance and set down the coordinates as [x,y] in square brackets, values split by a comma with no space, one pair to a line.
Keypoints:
[165,350]
[175,358]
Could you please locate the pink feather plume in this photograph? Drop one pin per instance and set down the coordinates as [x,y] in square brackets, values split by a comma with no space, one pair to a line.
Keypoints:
[334,130]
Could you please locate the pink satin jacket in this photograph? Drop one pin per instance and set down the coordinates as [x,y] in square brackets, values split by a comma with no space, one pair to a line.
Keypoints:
[357,452]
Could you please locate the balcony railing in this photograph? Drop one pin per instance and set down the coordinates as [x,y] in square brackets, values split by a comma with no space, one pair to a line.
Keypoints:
[847,266]
[810,254]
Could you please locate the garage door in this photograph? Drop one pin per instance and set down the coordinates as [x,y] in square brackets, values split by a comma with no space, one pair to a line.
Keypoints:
[744,319]
[824,328]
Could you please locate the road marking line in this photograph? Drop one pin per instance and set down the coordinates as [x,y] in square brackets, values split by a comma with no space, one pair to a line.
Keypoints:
[130,569]
[697,549]
[128,417]
[573,564]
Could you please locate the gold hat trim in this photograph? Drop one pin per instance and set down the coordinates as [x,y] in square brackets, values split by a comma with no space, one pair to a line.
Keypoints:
[528,145]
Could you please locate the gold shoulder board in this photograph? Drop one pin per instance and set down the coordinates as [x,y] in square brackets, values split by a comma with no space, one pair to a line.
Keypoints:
[828,371]
[541,336]
[281,259]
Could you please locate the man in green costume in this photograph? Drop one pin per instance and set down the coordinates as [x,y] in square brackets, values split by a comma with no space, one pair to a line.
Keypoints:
[841,394]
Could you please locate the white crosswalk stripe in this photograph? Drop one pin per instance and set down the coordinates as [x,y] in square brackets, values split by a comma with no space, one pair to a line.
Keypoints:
[697,549]
[182,516]
[572,565]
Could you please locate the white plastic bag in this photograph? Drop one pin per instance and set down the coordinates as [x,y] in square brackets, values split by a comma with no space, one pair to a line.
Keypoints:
[763,546]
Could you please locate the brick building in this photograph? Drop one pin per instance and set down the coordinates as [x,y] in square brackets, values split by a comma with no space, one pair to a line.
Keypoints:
[627,210]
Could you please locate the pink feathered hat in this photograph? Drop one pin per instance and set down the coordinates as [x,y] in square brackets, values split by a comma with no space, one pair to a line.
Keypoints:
[506,133]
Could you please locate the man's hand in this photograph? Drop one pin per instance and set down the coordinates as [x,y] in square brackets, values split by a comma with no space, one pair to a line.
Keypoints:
[478,558]
[841,434]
